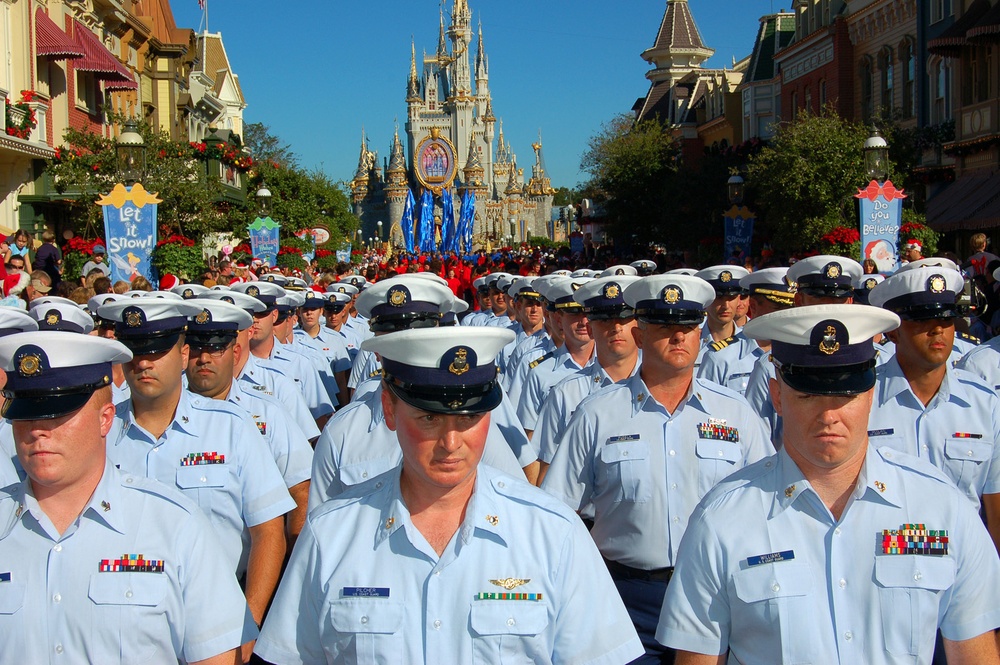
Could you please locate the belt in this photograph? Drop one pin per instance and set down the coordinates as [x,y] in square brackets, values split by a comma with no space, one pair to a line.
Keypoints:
[620,570]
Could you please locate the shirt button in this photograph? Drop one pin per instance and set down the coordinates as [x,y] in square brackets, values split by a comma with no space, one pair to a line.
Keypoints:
[437,624]
[128,594]
[969,453]
[510,621]
[437,573]
[378,485]
[848,636]
[204,479]
[836,531]
[677,519]
[57,548]
[673,486]
[59,648]
[775,587]
[364,474]
[624,453]
[128,480]
[501,485]
[672,453]
[56,598]
[925,447]
[364,619]
[842,583]
[918,576]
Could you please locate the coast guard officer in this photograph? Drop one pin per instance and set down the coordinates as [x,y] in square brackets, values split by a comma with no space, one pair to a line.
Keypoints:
[12,320]
[443,559]
[832,551]
[644,451]
[924,407]
[98,565]
[206,448]
[720,320]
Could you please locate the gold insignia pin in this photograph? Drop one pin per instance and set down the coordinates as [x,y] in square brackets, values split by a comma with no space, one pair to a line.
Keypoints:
[829,344]
[253,291]
[611,291]
[640,397]
[20,509]
[725,276]
[29,365]
[188,293]
[460,365]
[671,295]
[203,317]
[789,491]
[936,284]
[133,319]
[879,485]
[389,522]
[833,271]
[493,520]
[106,506]
[397,298]
[510,583]
[52,319]
[185,419]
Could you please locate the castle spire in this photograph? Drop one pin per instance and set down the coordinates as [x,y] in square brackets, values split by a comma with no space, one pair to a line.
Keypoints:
[363,158]
[413,84]
[481,68]
[442,43]
[397,160]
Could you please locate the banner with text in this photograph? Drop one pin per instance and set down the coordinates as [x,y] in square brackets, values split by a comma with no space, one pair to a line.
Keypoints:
[264,240]
[738,234]
[881,210]
[130,231]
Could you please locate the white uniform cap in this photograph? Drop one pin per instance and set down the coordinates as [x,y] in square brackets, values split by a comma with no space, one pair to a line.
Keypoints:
[933,261]
[825,275]
[217,316]
[266,292]
[403,300]
[50,300]
[682,271]
[725,279]
[274,278]
[62,317]
[243,301]
[13,320]
[188,291]
[619,270]
[604,297]
[670,299]
[343,287]
[922,293]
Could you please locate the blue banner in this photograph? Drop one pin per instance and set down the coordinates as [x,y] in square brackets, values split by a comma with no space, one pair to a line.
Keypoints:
[467,220]
[881,212]
[449,234]
[406,223]
[426,241]
[264,240]
[344,254]
[738,235]
[130,231]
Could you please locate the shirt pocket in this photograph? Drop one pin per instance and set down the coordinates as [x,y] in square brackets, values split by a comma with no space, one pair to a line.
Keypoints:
[510,632]
[910,587]
[627,467]
[773,601]
[716,460]
[366,631]
[202,482]
[13,625]
[738,382]
[128,622]
[966,461]
[359,472]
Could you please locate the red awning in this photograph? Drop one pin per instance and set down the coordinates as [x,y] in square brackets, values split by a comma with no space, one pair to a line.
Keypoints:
[987,29]
[98,59]
[51,42]
[970,203]
[950,42]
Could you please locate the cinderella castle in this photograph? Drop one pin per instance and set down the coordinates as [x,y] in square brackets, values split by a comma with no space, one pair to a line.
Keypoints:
[449,144]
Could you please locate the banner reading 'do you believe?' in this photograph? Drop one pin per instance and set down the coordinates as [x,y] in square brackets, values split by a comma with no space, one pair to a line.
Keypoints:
[130,231]
[881,212]
[264,240]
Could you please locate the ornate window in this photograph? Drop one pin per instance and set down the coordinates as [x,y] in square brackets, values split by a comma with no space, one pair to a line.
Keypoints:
[867,84]
[907,68]
[886,82]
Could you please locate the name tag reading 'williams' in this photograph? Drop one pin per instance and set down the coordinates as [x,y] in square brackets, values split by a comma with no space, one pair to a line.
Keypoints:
[773,557]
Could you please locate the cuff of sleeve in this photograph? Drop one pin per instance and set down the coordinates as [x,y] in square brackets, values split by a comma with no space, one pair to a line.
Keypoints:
[285,505]
[975,627]
[688,642]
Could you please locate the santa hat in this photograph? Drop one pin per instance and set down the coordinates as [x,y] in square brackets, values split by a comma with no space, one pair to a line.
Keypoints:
[15,282]
[913,243]
[168,282]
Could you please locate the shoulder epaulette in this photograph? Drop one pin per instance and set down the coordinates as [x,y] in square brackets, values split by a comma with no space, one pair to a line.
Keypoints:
[969,338]
[723,343]
[535,363]
[377,372]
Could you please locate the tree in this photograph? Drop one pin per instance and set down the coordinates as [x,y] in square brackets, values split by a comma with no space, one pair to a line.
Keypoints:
[265,146]
[302,199]
[803,183]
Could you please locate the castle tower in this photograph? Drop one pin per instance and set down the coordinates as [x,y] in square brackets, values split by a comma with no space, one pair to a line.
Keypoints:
[539,192]
[475,182]
[396,185]
[677,51]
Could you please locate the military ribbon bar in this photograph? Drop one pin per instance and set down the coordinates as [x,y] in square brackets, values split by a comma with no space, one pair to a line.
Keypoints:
[197,459]
[718,432]
[489,595]
[131,563]
[915,539]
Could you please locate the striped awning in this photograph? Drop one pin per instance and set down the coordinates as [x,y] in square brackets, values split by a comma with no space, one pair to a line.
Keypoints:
[51,42]
[954,38]
[98,59]
[987,29]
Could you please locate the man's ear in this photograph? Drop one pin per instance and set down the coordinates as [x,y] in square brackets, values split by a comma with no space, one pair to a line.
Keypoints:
[389,408]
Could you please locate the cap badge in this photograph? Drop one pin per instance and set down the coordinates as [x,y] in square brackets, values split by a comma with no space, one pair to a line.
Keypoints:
[29,365]
[253,291]
[204,316]
[107,300]
[832,271]
[509,583]
[671,295]
[725,276]
[188,293]
[397,297]
[52,318]
[611,291]
[829,344]
[870,284]
[133,318]
[936,284]
[455,405]
[620,271]
[460,365]
[341,290]
[228,299]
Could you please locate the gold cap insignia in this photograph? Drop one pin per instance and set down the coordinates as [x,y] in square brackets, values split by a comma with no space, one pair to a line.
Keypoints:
[52,318]
[133,319]
[228,299]
[879,485]
[203,317]
[671,295]
[789,491]
[253,291]
[936,284]
[29,365]
[510,583]
[493,520]
[341,290]
[725,276]
[188,293]
[871,284]
[829,344]
[460,365]
[833,271]
[397,297]
[611,291]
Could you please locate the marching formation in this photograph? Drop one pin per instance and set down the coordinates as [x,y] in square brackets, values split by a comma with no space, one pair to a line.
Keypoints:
[789,465]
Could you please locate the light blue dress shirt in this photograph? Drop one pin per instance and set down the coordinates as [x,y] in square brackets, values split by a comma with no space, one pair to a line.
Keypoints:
[244,490]
[366,366]
[767,572]
[984,361]
[958,431]
[10,466]
[332,345]
[302,373]
[319,362]
[731,365]
[356,445]
[285,439]
[645,469]
[524,354]
[364,585]
[540,381]
[58,606]
[255,377]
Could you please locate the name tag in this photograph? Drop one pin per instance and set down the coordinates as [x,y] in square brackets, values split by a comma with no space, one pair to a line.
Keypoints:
[773,557]
[625,437]
[4,577]
[366,592]
[881,432]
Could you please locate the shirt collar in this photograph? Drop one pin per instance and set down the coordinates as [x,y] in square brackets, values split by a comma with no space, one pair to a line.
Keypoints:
[106,504]
[894,383]
[374,399]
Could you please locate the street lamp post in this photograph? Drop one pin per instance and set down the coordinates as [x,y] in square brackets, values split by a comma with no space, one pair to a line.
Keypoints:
[131,152]
[876,157]
[735,187]
[263,197]
[379,225]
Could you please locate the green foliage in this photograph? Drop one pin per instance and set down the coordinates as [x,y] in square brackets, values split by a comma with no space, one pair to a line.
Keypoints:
[72,264]
[176,258]
[544,243]
[264,146]
[302,199]
[565,196]
[913,227]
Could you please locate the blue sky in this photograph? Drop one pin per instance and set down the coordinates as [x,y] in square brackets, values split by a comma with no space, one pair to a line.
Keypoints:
[318,71]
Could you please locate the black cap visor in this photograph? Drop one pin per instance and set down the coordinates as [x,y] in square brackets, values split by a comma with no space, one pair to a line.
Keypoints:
[833,291]
[670,317]
[456,400]
[927,312]
[45,405]
[150,344]
[622,313]
[830,380]
[405,321]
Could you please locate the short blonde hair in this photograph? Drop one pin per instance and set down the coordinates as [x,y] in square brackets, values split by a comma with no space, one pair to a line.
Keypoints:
[977,242]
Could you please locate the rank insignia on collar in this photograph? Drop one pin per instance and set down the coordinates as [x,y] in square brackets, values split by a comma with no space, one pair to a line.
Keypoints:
[789,491]
[880,486]
[510,583]
[493,520]
[914,539]
[389,522]
[20,509]
[105,506]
